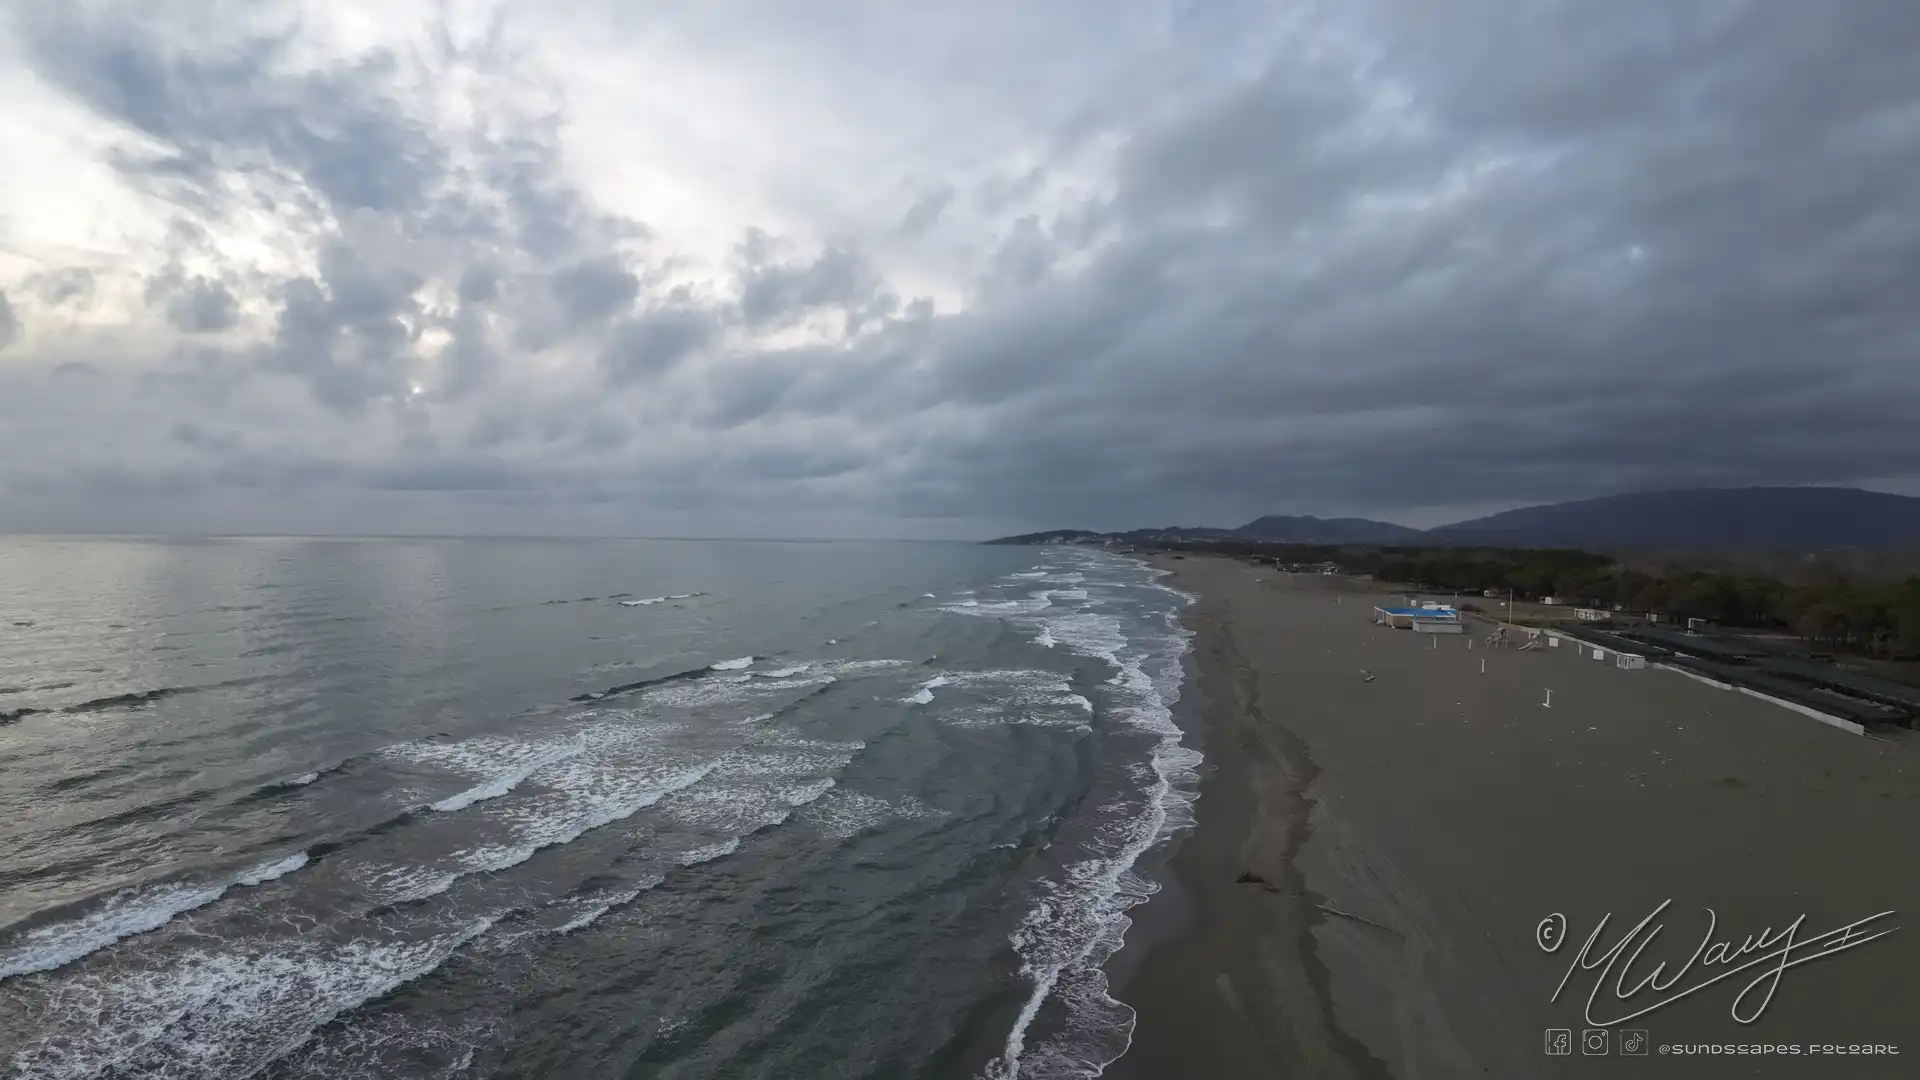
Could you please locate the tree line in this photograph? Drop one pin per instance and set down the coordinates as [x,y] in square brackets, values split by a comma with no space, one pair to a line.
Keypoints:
[1825,607]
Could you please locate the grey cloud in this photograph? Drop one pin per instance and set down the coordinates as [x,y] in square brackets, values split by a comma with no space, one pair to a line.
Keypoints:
[348,334]
[1538,297]
[595,288]
[998,194]
[926,210]
[1426,256]
[9,322]
[195,305]
[478,284]
[775,293]
[240,110]
[650,344]
[60,288]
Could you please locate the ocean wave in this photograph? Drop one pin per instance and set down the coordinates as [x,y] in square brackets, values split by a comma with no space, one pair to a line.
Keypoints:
[272,871]
[609,797]
[734,665]
[287,783]
[130,699]
[502,783]
[643,684]
[230,1012]
[850,813]
[924,695]
[651,600]
[1027,696]
[1079,921]
[127,913]
[595,906]
[708,852]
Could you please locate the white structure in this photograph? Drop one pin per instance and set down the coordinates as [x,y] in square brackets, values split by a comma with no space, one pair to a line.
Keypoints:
[1431,619]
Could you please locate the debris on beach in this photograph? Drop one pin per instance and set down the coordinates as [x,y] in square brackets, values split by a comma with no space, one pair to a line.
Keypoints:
[1368,675]
[1331,910]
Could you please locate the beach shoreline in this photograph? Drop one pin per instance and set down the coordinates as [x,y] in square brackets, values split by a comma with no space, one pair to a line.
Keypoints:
[1360,895]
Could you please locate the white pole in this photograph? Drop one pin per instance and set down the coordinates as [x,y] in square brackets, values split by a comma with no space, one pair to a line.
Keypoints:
[1483,665]
[1549,702]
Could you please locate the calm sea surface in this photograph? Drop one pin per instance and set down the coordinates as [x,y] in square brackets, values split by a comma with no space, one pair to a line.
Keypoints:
[469,808]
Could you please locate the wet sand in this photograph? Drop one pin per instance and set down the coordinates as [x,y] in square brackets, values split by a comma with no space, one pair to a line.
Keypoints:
[1407,836]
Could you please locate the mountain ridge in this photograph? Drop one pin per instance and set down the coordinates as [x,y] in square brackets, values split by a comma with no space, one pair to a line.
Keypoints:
[1680,519]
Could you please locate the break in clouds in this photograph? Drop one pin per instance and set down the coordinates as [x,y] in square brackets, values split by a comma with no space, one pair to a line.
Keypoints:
[836,268]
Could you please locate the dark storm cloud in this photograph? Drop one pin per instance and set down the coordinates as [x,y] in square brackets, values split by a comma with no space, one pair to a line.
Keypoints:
[240,110]
[1591,248]
[1421,255]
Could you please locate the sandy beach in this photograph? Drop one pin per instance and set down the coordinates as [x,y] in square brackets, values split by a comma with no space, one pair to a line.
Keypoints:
[1365,892]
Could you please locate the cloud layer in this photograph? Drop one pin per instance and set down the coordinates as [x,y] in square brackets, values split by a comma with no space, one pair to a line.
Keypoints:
[862,268]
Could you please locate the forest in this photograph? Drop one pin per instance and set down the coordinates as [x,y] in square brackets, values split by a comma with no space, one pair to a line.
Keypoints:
[1822,604]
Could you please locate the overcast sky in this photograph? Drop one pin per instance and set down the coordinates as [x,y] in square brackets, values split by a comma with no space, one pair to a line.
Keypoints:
[890,268]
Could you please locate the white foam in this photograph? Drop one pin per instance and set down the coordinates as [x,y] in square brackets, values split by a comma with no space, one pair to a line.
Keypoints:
[1045,638]
[1017,696]
[510,779]
[734,665]
[644,603]
[1078,922]
[229,1013]
[300,781]
[599,905]
[588,799]
[126,914]
[924,696]
[850,813]
[929,596]
[784,673]
[273,871]
[710,852]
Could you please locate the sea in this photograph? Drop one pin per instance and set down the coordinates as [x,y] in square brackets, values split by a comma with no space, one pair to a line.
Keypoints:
[423,808]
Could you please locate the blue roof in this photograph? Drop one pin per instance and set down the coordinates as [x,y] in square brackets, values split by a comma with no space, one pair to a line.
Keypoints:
[1429,612]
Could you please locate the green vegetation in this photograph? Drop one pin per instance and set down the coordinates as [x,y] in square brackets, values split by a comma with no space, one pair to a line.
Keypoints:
[1824,607]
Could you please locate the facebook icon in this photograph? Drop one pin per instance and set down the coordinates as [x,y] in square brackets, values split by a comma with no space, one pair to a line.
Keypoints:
[1559,1042]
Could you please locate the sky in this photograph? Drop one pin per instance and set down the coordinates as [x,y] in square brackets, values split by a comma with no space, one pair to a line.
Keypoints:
[821,268]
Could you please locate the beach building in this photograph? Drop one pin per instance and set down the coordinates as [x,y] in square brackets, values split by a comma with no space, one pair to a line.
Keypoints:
[1428,619]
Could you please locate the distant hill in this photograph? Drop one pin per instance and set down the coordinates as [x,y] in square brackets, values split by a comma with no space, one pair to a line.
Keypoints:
[1757,519]
[1313,530]
[1722,519]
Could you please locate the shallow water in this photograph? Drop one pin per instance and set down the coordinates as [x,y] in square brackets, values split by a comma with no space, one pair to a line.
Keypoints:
[444,808]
